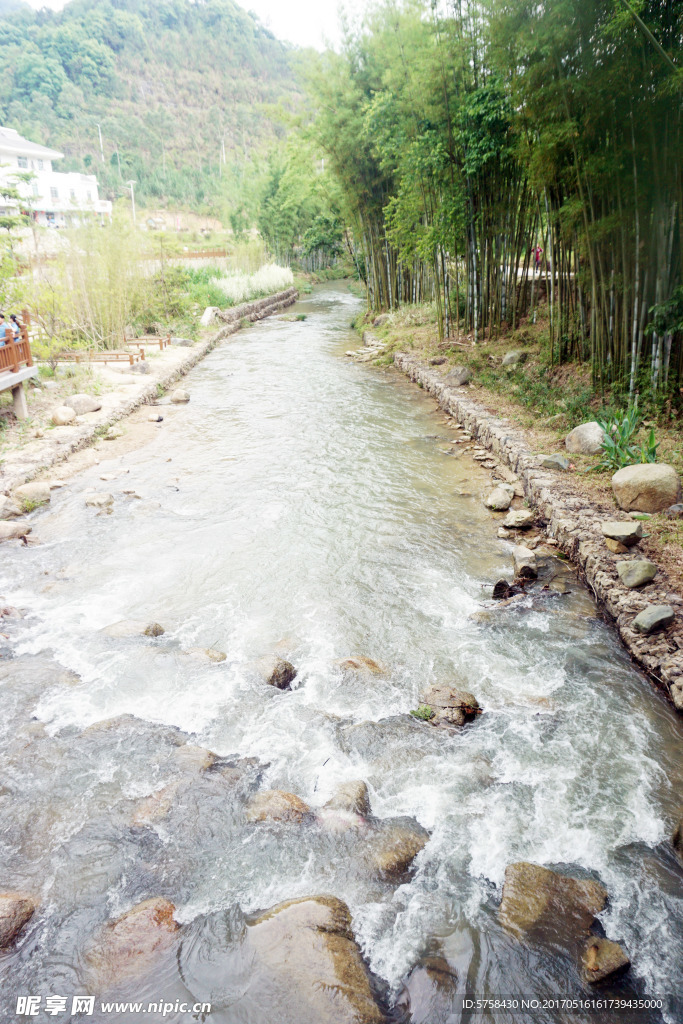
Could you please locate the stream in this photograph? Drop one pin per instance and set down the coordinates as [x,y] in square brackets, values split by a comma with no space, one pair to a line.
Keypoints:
[307,504]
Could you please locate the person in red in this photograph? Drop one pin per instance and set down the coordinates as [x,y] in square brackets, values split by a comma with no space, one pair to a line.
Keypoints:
[538,252]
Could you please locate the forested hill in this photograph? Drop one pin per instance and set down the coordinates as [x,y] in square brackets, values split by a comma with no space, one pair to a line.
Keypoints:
[169,81]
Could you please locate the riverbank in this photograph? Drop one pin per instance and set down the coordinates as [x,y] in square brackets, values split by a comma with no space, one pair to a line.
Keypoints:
[575,523]
[38,445]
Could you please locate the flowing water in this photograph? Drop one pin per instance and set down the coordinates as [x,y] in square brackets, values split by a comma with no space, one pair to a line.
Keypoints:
[305,503]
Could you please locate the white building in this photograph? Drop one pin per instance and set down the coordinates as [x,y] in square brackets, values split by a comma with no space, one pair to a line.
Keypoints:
[54,198]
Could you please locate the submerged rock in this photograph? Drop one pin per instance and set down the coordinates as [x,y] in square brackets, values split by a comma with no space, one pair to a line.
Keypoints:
[16,910]
[654,617]
[133,627]
[277,805]
[636,573]
[601,958]
[450,706]
[393,847]
[429,992]
[351,796]
[100,500]
[130,946]
[206,655]
[276,671]
[542,904]
[648,487]
[306,951]
[359,663]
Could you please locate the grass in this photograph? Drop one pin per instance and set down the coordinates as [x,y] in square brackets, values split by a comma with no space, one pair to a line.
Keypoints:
[424,713]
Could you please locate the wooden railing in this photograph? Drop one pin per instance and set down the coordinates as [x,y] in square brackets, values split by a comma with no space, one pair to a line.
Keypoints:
[15,353]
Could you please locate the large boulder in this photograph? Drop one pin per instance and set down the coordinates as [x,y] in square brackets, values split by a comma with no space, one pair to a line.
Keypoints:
[277,805]
[450,706]
[586,439]
[82,404]
[276,671]
[131,945]
[636,573]
[351,796]
[63,415]
[541,904]
[37,492]
[393,846]
[305,953]
[16,909]
[648,487]
[602,958]
[628,533]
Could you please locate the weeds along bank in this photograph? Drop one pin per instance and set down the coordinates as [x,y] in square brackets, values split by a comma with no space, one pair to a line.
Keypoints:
[106,285]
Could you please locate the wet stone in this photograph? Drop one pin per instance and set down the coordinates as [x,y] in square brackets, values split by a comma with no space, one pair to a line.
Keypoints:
[276,671]
[277,805]
[351,796]
[499,500]
[519,519]
[525,563]
[601,959]
[130,946]
[541,903]
[654,617]
[16,909]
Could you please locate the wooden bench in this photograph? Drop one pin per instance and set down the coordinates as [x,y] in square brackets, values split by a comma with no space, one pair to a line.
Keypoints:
[100,356]
[16,366]
[147,340]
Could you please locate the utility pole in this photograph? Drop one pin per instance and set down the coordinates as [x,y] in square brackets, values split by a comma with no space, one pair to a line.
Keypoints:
[131,185]
[99,132]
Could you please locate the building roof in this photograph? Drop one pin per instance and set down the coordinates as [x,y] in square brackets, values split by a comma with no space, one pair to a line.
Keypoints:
[12,142]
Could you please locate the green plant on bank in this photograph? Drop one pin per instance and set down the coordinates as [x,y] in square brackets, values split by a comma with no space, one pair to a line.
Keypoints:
[31,504]
[619,446]
[424,713]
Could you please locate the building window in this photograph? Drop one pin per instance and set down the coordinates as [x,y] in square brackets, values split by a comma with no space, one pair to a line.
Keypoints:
[34,187]
[54,193]
[72,195]
[22,161]
[40,165]
[89,194]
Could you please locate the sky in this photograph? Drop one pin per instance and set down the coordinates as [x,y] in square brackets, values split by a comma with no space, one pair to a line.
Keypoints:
[304,22]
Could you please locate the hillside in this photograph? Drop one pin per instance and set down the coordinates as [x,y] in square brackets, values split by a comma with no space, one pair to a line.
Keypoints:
[170,82]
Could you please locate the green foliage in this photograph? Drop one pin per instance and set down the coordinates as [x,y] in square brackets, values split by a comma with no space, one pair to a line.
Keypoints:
[424,713]
[619,447]
[126,65]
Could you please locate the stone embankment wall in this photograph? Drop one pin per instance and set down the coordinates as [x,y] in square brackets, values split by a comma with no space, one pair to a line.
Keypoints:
[574,523]
[23,467]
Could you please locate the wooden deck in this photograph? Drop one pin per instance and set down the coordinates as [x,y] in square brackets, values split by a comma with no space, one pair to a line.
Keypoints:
[16,366]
